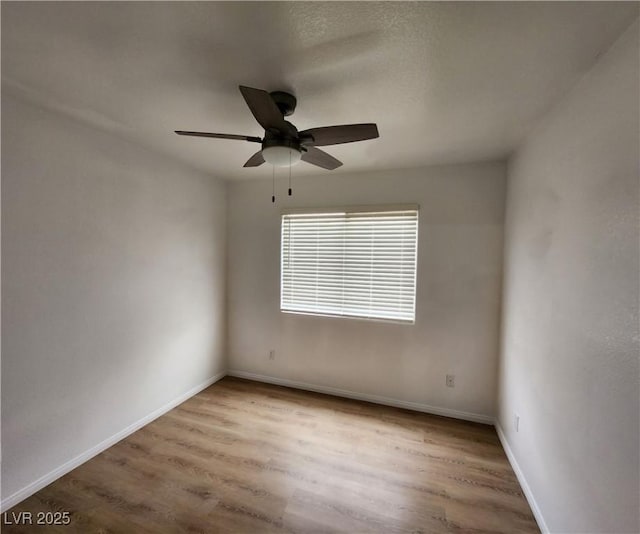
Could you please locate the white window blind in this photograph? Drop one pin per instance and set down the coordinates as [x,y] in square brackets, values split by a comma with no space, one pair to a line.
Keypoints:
[354,264]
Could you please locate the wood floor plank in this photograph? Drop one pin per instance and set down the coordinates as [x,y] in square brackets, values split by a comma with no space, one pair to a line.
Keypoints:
[246,457]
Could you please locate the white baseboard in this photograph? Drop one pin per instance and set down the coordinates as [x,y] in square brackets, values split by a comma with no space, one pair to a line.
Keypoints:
[537,513]
[387,401]
[47,479]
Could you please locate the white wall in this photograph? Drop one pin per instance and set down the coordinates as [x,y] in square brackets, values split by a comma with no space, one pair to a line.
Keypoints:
[458,290]
[570,331]
[113,286]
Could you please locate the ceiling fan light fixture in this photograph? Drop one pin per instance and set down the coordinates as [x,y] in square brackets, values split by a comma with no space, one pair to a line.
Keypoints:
[281,156]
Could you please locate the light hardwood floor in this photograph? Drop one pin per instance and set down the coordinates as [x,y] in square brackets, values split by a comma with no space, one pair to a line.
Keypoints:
[246,457]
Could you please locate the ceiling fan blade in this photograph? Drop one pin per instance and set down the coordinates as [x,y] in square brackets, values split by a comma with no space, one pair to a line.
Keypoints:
[255,160]
[315,156]
[220,136]
[335,135]
[263,107]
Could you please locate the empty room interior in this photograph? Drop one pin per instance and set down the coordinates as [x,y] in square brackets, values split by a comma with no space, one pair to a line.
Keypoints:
[355,267]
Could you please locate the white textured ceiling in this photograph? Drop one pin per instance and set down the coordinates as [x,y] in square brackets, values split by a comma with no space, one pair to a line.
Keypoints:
[445,82]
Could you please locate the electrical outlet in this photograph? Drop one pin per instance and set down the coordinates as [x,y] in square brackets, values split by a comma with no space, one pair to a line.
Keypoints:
[451,379]
[272,354]
[516,422]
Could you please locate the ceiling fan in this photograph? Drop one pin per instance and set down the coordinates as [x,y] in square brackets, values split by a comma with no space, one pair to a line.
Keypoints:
[283,145]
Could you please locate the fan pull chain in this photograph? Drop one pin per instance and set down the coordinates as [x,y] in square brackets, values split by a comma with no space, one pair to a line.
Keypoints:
[289,172]
[273,183]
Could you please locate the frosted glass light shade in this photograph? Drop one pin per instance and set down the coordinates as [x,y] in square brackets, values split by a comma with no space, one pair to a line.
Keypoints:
[281,156]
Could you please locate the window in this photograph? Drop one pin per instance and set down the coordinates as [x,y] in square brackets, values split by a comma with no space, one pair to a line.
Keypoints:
[350,263]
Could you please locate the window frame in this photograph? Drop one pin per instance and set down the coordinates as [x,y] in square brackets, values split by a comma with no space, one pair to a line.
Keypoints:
[386,208]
